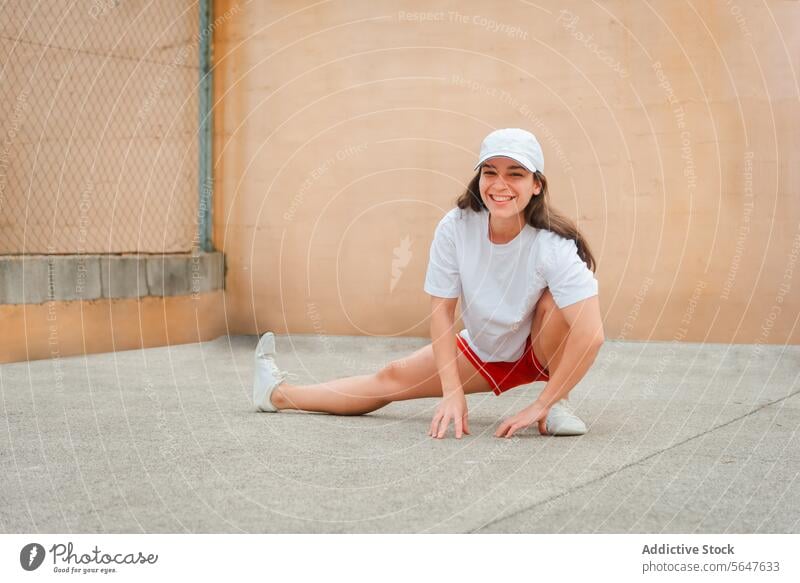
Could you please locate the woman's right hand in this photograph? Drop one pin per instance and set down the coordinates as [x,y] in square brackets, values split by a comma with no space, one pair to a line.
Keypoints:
[453,407]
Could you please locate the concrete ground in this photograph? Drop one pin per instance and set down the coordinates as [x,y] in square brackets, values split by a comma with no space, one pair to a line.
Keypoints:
[683,438]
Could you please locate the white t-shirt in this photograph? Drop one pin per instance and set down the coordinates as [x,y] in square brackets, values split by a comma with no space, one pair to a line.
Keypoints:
[499,285]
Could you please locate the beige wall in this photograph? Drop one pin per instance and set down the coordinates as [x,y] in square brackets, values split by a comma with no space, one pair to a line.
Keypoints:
[345,130]
[55,330]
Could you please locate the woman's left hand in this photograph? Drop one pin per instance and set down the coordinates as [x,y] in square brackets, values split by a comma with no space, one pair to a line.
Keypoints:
[525,418]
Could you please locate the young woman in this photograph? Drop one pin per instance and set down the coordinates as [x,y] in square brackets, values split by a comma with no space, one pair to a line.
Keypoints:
[529,304]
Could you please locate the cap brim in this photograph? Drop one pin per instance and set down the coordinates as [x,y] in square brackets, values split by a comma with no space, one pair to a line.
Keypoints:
[512,155]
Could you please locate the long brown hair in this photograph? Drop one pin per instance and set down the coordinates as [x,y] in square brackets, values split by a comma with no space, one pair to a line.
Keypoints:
[538,214]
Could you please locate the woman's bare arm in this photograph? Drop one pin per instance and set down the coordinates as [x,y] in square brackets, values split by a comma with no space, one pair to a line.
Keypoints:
[443,317]
[454,402]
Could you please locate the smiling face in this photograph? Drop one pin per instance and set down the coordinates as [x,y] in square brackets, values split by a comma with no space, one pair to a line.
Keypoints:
[507,187]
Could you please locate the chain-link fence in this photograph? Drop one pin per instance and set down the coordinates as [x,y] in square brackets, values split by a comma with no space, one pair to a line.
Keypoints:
[99,122]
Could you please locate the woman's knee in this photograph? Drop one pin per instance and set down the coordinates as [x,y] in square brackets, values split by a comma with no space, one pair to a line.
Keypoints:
[547,314]
[390,374]
[395,379]
[417,376]
[546,302]
[412,377]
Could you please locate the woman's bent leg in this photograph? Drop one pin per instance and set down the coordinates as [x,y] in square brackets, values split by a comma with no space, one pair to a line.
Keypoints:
[549,333]
[413,377]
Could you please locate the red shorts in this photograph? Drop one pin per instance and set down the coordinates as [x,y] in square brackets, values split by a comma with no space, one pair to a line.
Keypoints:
[503,376]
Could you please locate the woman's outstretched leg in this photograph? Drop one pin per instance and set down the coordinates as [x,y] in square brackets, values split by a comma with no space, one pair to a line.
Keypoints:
[413,377]
[348,396]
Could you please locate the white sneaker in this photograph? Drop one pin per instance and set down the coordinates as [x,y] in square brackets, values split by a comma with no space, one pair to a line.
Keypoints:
[267,374]
[562,421]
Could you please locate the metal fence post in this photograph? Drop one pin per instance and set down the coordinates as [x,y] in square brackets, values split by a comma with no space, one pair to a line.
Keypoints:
[205,178]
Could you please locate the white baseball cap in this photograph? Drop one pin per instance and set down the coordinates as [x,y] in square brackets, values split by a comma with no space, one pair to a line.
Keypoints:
[514,143]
